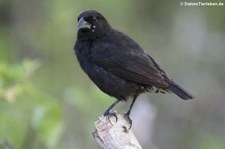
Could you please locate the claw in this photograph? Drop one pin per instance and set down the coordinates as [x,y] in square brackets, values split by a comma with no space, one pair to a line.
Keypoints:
[129,121]
[110,114]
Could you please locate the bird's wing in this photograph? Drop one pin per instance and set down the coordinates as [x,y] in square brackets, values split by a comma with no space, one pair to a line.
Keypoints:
[129,65]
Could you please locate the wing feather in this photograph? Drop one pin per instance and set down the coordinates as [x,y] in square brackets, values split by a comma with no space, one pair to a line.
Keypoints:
[129,65]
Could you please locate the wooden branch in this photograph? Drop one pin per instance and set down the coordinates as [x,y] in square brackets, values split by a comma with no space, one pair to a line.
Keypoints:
[112,134]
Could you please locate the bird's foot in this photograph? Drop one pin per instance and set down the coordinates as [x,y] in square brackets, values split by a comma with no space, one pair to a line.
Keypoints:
[129,121]
[110,114]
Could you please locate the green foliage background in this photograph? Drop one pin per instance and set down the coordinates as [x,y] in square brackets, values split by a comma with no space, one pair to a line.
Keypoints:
[47,102]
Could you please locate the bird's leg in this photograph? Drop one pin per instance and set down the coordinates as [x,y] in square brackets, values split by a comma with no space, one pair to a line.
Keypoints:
[131,106]
[107,112]
[128,112]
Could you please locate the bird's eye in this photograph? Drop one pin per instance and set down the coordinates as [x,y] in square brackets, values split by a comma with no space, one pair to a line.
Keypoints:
[94,19]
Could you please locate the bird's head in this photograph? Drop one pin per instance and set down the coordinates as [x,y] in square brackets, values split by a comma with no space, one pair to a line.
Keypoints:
[92,25]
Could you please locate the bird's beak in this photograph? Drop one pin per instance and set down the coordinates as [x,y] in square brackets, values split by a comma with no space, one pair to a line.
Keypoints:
[83,24]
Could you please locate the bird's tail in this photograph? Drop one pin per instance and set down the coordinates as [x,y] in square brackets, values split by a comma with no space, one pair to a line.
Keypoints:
[179,91]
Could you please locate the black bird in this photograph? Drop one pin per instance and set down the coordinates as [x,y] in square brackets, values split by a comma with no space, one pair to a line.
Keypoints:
[117,64]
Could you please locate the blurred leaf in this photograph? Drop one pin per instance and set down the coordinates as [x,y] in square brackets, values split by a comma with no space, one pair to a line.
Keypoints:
[47,122]
[11,73]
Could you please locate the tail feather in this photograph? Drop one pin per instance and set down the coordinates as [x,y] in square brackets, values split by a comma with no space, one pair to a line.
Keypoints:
[179,91]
